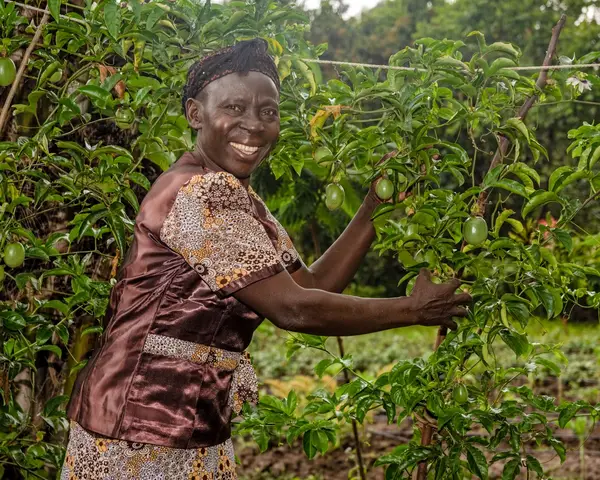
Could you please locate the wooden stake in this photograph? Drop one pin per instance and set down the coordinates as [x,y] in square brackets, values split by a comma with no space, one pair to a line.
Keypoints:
[427,431]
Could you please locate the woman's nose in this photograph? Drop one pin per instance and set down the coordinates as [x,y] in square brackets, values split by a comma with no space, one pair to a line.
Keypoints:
[252,123]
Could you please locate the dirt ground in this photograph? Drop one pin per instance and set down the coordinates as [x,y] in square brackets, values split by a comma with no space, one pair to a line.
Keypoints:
[378,438]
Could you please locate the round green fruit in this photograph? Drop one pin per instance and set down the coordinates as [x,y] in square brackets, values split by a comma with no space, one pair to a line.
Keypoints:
[124,117]
[475,231]
[56,76]
[384,189]
[8,71]
[14,255]
[323,154]
[460,394]
[334,196]
[402,181]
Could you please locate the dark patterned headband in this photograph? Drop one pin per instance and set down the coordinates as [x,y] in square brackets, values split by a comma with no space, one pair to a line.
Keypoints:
[243,57]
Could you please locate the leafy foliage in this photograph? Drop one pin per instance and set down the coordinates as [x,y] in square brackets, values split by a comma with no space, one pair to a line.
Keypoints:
[74,169]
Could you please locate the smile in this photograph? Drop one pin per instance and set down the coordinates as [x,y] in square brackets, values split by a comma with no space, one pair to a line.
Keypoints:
[246,149]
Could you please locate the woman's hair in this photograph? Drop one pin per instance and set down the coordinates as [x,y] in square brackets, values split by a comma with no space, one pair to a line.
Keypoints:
[243,57]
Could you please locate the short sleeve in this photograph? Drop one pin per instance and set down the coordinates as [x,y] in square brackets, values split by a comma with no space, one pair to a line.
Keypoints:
[211,224]
[288,255]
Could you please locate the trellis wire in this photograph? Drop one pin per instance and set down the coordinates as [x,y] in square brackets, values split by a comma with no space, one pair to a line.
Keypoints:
[356,64]
[412,69]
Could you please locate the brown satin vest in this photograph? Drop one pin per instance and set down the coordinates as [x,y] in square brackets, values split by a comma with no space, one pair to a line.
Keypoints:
[165,369]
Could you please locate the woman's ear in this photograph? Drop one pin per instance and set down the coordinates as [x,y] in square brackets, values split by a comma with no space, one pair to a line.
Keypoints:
[193,113]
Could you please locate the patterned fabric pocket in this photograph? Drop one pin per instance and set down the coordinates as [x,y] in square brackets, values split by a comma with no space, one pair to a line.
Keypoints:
[244,384]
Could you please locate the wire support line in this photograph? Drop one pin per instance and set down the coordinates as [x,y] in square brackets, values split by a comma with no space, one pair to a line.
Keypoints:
[354,64]
[416,69]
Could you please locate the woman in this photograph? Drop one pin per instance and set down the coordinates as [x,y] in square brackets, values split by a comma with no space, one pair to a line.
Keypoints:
[207,264]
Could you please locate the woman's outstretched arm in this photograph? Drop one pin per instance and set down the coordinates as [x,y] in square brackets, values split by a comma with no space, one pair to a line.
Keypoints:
[334,270]
[292,307]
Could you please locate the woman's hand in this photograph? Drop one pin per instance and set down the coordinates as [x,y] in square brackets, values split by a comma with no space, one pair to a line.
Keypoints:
[437,304]
[371,198]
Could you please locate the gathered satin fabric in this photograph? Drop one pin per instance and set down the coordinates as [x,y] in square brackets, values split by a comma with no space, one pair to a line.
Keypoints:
[170,368]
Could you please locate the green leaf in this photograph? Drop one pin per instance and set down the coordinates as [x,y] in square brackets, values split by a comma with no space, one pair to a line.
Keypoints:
[54,7]
[52,405]
[517,342]
[140,179]
[568,411]
[322,366]
[518,125]
[112,18]
[503,48]
[512,186]
[594,158]
[511,469]
[500,220]
[538,199]
[559,448]
[117,227]
[91,330]
[558,175]
[52,348]
[12,320]
[563,237]
[499,63]
[99,95]
[535,465]
[308,444]
[477,462]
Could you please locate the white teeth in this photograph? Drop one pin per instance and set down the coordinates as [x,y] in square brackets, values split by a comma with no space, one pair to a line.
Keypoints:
[244,148]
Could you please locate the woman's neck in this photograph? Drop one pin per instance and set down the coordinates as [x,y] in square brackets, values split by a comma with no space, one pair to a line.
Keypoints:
[203,160]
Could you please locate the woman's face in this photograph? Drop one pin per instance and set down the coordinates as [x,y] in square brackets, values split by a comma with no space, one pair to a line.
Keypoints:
[237,118]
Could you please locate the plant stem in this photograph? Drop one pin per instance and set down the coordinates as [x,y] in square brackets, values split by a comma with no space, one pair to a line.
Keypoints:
[21,72]
[483,196]
[359,459]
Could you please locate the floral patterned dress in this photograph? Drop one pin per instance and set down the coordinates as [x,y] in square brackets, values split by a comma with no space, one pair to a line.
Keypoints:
[92,457]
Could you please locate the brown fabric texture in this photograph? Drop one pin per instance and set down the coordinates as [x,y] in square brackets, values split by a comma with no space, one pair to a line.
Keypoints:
[170,368]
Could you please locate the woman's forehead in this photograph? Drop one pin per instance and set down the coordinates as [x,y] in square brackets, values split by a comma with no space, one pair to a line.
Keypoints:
[249,84]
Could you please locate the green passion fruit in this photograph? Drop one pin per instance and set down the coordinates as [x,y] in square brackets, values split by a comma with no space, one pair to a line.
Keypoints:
[334,196]
[323,154]
[124,117]
[56,76]
[384,189]
[460,394]
[14,255]
[8,71]
[475,231]
[402,181]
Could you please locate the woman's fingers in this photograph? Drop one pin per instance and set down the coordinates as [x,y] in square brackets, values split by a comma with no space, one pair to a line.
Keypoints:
[458,312]
[462,299]
[451,324]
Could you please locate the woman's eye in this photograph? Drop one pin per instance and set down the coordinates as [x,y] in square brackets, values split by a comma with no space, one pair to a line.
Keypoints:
[235,108]
[271,112]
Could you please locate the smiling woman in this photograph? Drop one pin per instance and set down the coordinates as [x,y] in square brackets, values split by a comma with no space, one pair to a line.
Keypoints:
[207,264]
